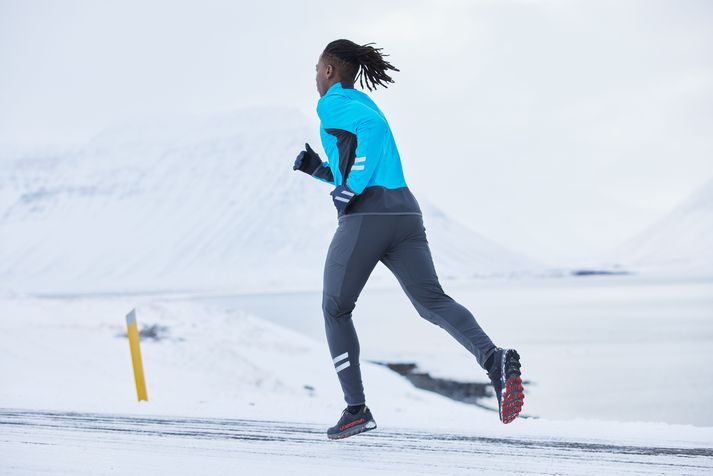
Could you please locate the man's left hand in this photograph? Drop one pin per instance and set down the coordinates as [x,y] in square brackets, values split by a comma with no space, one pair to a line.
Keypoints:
[342,196]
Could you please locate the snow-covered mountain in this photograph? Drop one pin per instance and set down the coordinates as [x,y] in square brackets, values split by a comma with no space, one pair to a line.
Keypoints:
[680,243]
[197,203]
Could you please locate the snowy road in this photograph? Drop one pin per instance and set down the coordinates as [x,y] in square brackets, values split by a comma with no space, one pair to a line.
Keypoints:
[37,442]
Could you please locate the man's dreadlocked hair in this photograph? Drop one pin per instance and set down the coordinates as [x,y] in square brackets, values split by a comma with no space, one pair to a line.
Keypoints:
[361,62]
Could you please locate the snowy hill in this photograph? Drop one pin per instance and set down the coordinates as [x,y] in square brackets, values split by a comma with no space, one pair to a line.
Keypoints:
[199,203]
[679,243]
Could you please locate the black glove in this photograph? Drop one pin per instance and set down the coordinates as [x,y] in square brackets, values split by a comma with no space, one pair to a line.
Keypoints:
[307,161]
[342,196]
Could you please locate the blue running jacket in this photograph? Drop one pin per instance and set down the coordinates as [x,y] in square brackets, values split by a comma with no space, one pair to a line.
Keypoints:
[362,154]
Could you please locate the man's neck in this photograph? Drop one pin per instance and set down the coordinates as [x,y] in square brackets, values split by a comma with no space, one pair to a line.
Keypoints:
[345,84]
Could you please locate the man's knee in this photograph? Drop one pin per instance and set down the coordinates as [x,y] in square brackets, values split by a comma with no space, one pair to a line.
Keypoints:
[428,293]
[335,307]
[429,300]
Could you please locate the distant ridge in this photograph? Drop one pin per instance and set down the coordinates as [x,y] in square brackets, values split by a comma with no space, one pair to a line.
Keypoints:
[192,204]
[680,243]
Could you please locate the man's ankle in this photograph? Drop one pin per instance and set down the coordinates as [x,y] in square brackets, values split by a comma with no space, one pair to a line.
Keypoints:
[354,409]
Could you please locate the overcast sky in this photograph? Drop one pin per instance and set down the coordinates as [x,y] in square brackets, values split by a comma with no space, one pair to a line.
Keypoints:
[558,128]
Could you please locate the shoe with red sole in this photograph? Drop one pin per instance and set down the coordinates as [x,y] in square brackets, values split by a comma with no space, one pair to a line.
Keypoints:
[507,383]
[351,424]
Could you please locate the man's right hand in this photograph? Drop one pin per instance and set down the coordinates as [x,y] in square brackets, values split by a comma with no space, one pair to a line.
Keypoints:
[307,161]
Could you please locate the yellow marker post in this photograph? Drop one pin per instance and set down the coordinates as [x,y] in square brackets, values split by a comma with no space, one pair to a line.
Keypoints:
[133,332]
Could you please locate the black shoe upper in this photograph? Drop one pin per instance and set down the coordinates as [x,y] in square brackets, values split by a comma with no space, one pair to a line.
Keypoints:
[494,372]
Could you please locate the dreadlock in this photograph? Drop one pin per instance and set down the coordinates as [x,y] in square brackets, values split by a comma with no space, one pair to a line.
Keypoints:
[361,62]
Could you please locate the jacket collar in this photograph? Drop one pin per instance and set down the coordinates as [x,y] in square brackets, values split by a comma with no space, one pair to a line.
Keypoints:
[337,87]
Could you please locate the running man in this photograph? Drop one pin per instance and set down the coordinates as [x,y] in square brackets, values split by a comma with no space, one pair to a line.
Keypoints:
[379,219]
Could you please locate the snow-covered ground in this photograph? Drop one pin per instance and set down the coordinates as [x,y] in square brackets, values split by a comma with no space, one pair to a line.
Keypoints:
[81,443]
[68,355]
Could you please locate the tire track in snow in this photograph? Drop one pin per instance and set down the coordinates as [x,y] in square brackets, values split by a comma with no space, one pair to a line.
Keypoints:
[302,447]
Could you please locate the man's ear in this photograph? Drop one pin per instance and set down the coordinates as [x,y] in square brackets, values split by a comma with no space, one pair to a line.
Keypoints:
[329,71]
